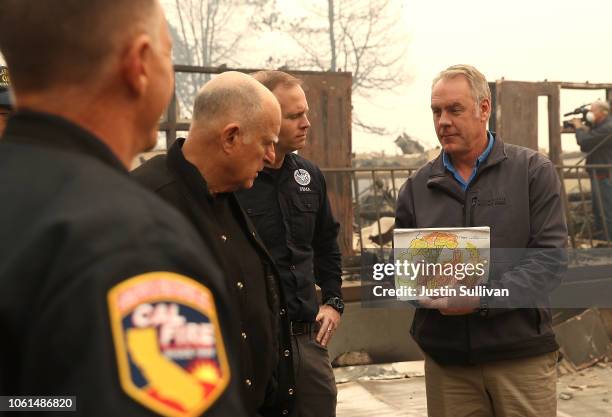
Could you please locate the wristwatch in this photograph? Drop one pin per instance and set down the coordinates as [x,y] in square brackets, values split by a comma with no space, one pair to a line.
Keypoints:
[336,303]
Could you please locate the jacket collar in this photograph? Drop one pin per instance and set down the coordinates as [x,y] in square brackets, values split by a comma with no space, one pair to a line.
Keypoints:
[187,172]
[440,177]
[497,155]
[194,186]
[50,131]
[290,163]
[286,169]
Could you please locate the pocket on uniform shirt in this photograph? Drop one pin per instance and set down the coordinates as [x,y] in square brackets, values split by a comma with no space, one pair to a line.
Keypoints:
[258,218]
[304,217]
[254,212]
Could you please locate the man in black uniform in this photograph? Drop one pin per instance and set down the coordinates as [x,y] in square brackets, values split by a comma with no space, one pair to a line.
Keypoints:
[6,103]
[107,293]
[289,206]
[235,124]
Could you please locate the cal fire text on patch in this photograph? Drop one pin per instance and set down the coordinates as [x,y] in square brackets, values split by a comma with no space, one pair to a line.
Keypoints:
[169,346]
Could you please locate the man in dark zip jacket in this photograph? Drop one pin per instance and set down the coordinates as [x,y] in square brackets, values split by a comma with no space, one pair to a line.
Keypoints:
[481,360]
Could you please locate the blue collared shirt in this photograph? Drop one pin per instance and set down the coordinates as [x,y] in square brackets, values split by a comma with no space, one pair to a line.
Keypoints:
[449,165]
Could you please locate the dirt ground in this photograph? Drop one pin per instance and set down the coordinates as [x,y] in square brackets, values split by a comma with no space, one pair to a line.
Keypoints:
[398,390]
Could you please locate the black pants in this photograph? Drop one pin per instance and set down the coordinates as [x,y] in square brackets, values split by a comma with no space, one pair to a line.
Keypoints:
[314,378]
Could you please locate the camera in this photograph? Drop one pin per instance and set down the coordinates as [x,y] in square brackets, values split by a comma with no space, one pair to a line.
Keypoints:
[582,110]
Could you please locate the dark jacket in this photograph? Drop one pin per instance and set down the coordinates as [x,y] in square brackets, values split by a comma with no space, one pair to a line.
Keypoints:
[265,346]
[516,192]
[291,211]
[588,139]
[73,225]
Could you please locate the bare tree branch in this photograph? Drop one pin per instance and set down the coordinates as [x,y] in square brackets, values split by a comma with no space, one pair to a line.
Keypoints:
[332,37]
[368,128]
[210,33]
[360,36]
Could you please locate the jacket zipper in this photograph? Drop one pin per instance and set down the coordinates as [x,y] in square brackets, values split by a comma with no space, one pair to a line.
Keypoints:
[472,209]
[468,220]
[468,211]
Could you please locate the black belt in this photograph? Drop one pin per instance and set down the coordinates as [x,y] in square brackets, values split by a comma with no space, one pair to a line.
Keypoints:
[302,327]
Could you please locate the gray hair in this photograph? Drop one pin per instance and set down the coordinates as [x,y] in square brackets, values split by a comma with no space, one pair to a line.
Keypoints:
[240,99]
[604,106]
[477,81]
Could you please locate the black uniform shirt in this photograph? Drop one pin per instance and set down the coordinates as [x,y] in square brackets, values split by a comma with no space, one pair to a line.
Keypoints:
[292,214]
[73,227]
[248,268]
[272,223]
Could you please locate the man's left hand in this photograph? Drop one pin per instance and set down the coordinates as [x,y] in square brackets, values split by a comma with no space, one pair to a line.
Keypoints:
[452,306]
[329,319]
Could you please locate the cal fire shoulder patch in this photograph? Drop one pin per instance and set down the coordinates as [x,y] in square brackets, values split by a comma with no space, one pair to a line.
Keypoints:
[168,343]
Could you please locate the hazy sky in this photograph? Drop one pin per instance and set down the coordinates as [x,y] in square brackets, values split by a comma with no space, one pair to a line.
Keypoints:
[525,40]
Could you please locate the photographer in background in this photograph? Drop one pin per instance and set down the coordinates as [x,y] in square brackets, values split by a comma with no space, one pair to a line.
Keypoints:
[6,101]
[594,141]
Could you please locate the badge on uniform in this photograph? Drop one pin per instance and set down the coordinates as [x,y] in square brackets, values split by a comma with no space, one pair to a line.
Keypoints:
[302,177]
[168,343]
[5,81]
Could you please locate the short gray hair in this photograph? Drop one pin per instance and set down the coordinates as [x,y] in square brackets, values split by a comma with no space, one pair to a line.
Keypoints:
[604,106]
[214,103]
[477,81]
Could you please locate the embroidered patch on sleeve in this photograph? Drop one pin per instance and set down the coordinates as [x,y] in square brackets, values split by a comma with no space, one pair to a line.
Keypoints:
[168,343]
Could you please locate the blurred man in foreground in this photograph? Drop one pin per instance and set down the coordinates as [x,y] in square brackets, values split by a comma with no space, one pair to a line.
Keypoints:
[235,125]
[107,293]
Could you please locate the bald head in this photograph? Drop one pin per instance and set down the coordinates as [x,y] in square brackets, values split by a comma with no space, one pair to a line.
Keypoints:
[235,125]
[67,42]
[232,97]
[601,106]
